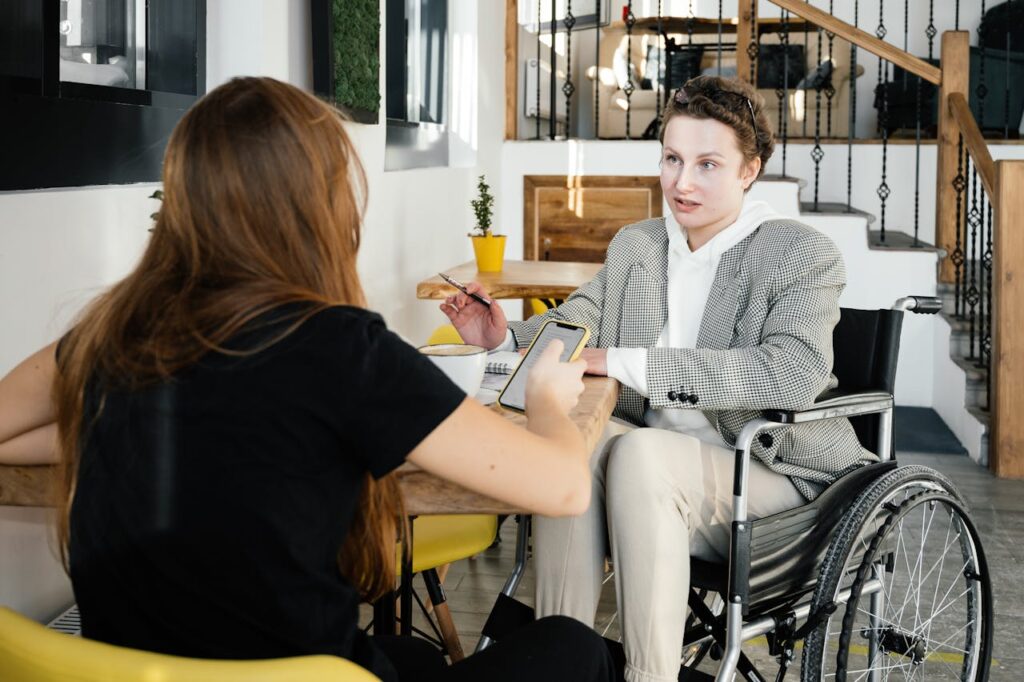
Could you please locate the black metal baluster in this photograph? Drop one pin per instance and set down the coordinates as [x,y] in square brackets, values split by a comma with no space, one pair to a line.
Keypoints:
[982,89]
[930,30]
[597,67]
[803,132]
[883,120]
[719,38]
[906,36]
[552,90]
[1006,70]
[628,88]
[979,269]
[568,88]
[987,338]
[851,119]
[956,16]
[959,185]
[661,76]
[538,70]
[817,153]
[974,220]
[784,110]
[752,45]
[930,33]
[689,43]
[830,90]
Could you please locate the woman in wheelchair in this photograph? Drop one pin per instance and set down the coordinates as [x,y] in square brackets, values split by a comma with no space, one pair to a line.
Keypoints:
[707,317]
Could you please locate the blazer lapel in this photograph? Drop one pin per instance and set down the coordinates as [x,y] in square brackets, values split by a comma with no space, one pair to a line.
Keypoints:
[645,308]
[719,321]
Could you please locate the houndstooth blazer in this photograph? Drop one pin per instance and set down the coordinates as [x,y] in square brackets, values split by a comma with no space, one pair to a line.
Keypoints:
[765,340]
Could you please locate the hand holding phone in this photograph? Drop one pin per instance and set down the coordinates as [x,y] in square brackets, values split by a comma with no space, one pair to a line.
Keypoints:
[572,336]
[553,385]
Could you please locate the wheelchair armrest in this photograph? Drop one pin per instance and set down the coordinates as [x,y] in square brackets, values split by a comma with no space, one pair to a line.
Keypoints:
[832,404]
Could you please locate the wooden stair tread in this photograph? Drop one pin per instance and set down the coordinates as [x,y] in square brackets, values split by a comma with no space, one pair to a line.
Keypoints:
[896,240]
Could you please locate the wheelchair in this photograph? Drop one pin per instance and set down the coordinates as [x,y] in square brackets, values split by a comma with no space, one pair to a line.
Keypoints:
[882,575]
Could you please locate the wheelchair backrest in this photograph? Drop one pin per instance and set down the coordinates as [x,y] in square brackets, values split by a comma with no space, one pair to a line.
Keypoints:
[866,348]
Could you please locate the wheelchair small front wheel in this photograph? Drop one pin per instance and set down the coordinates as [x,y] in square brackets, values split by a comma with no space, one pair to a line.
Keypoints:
[914,602]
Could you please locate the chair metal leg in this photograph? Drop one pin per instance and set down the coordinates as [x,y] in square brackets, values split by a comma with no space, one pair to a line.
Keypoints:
[435,592]
[405,589]
[512,583]
[384,622]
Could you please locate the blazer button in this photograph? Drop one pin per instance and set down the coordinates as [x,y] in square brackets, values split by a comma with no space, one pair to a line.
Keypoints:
[671,395]
[693,398]
[766,440]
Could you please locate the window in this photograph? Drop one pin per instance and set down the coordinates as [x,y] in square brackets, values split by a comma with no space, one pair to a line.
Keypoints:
[91,89]
[417,88]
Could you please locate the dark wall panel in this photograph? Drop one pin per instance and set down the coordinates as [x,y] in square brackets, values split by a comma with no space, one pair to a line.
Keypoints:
[53,142]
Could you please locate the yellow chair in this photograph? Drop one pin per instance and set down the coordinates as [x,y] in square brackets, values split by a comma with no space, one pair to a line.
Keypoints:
[30,652]
[446,333]
[437,542]
[539,306]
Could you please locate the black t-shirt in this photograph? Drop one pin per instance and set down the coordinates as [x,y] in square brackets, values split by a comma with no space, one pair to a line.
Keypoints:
[210,508]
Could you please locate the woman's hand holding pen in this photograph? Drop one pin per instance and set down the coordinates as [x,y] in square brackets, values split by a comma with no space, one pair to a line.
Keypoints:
[476,323]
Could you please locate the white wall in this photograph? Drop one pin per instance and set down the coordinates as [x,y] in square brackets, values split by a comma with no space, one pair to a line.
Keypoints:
[58,248]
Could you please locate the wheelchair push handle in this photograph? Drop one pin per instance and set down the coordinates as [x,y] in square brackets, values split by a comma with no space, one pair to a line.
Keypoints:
[925,305]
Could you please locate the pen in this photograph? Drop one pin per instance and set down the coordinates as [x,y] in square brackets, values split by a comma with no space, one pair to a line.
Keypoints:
[461,287]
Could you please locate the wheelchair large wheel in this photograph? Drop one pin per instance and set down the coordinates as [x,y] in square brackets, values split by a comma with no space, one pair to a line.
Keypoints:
[908,563]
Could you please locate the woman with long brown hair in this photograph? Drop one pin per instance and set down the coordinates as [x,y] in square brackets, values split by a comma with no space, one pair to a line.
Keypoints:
[223,417]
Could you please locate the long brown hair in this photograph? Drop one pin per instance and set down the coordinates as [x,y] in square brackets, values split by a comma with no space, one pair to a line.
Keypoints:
[264,197]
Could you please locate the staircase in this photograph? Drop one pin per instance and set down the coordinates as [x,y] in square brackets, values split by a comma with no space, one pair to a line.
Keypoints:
[963,404]
[937,373]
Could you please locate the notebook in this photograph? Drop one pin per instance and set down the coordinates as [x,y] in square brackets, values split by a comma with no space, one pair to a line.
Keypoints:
[502,362]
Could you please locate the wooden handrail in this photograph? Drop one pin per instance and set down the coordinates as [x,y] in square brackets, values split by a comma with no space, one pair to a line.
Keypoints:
[877,47]
[961,112]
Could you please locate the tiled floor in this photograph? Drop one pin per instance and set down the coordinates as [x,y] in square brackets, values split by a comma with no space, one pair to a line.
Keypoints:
[997,508]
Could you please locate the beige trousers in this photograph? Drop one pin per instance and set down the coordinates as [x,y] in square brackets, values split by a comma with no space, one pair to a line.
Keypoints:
[658,498]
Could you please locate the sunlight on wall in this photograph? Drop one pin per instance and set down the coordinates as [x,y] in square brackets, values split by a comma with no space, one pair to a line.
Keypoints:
[576,164]
[465,88]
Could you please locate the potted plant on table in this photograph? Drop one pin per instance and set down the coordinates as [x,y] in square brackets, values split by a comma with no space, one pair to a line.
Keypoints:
[488,247]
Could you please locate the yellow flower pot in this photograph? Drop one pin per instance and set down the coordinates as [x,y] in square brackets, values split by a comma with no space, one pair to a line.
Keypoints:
[490,252]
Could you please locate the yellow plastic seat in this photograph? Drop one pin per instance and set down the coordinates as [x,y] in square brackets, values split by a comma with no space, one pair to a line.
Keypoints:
[444,539]
[30,652]
[446,333]
[539,306]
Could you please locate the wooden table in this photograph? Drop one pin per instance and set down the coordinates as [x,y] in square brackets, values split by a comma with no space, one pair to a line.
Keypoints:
[424,493]
[427,494]
[518,279]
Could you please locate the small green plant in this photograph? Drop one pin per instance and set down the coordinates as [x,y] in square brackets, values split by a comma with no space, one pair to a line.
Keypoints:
[483,209]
